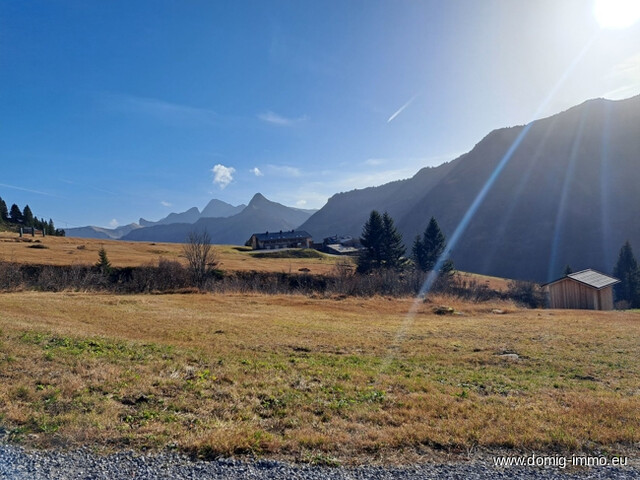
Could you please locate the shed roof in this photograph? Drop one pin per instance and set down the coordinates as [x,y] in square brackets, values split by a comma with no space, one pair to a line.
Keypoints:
[590,277]
[289,235]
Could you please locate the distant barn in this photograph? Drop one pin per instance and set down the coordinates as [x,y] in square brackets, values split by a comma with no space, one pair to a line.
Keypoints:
[273,240]
[588,290]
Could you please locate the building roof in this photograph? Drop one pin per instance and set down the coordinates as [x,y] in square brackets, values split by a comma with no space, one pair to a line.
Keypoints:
[591,278]
[288,235]
[341,249]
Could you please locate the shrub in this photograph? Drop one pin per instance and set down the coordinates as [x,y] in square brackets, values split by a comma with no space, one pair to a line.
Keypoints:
[528,294]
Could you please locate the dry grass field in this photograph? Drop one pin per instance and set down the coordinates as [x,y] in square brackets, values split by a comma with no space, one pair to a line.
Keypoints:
[315,379]
[69,251]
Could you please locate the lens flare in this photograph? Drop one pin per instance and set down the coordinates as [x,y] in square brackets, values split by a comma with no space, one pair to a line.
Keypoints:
[616,13]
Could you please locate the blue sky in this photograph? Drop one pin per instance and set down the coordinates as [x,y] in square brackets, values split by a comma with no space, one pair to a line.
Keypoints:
[112,110]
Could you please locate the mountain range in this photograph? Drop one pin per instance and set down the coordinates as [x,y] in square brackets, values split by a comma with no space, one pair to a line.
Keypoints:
[225,223]
[259,216]
[568,193]
[562,190]
[215,208]
[101,232]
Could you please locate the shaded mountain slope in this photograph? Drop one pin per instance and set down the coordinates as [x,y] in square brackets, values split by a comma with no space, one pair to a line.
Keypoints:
[568,195]
[345,213]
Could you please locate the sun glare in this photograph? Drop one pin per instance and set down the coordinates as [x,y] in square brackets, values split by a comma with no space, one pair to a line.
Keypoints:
[616,13]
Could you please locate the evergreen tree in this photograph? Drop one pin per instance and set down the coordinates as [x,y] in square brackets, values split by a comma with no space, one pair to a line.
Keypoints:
[4,212]
[626,270]
[27,216]
[51,229]
[392,250]
[567,270]
[427,250]
[370,256]
[104,265]
[15,214]
[382,244]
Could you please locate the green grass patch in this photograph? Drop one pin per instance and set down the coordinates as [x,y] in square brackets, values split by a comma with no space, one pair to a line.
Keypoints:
[54,345]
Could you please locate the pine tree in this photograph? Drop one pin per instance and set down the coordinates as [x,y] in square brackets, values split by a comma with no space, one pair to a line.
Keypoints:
[103,264]
[382,244]
[4,212]
[51,229]
[392,250]
[15,214]
[626,270]
[27,216]
[370,257]
[567,270]
[427,251]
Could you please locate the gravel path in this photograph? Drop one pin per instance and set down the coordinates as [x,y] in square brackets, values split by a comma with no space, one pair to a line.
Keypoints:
[17,463]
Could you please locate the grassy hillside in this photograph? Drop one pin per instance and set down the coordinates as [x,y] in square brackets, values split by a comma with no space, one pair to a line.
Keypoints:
[319,380]
[67,251]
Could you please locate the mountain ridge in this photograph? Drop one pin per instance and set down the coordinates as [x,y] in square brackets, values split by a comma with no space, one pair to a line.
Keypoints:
[565,196]
[259,215]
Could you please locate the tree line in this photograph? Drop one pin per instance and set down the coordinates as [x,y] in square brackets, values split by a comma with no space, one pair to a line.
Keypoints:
[26,218]
[383,248]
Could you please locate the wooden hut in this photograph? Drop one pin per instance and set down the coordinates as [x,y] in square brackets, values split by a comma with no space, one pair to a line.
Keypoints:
[588,290]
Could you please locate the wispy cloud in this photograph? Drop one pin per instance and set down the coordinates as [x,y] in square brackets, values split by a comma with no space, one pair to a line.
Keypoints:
[15,187]
[86,185]
[399,111]
[113,223]
[279,120]
[285,171]
[165,204]
[301,203]
[162,110]
[256,171]
[222,176]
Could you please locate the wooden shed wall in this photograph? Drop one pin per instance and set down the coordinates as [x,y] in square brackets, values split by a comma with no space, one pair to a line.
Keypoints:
[606,298]
[568,293]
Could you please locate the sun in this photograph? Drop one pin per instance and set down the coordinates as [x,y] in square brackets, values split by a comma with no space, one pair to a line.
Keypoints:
[616,13]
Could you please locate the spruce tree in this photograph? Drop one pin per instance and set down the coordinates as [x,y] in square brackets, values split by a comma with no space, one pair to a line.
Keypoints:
[370,256]
[103,264]
[382,244]
[626,270]
[15,214]
[27,216]
[392,248]
[427,250]
[4,212]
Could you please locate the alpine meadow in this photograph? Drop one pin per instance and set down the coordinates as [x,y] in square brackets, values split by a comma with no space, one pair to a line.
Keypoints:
[339,239]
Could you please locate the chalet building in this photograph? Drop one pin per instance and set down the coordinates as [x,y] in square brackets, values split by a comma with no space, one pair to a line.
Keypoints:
[274,240]
[587,290]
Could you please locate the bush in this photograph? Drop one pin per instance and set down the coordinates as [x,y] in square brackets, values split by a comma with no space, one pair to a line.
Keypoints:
[528,294]
[10,276]
[168,275]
